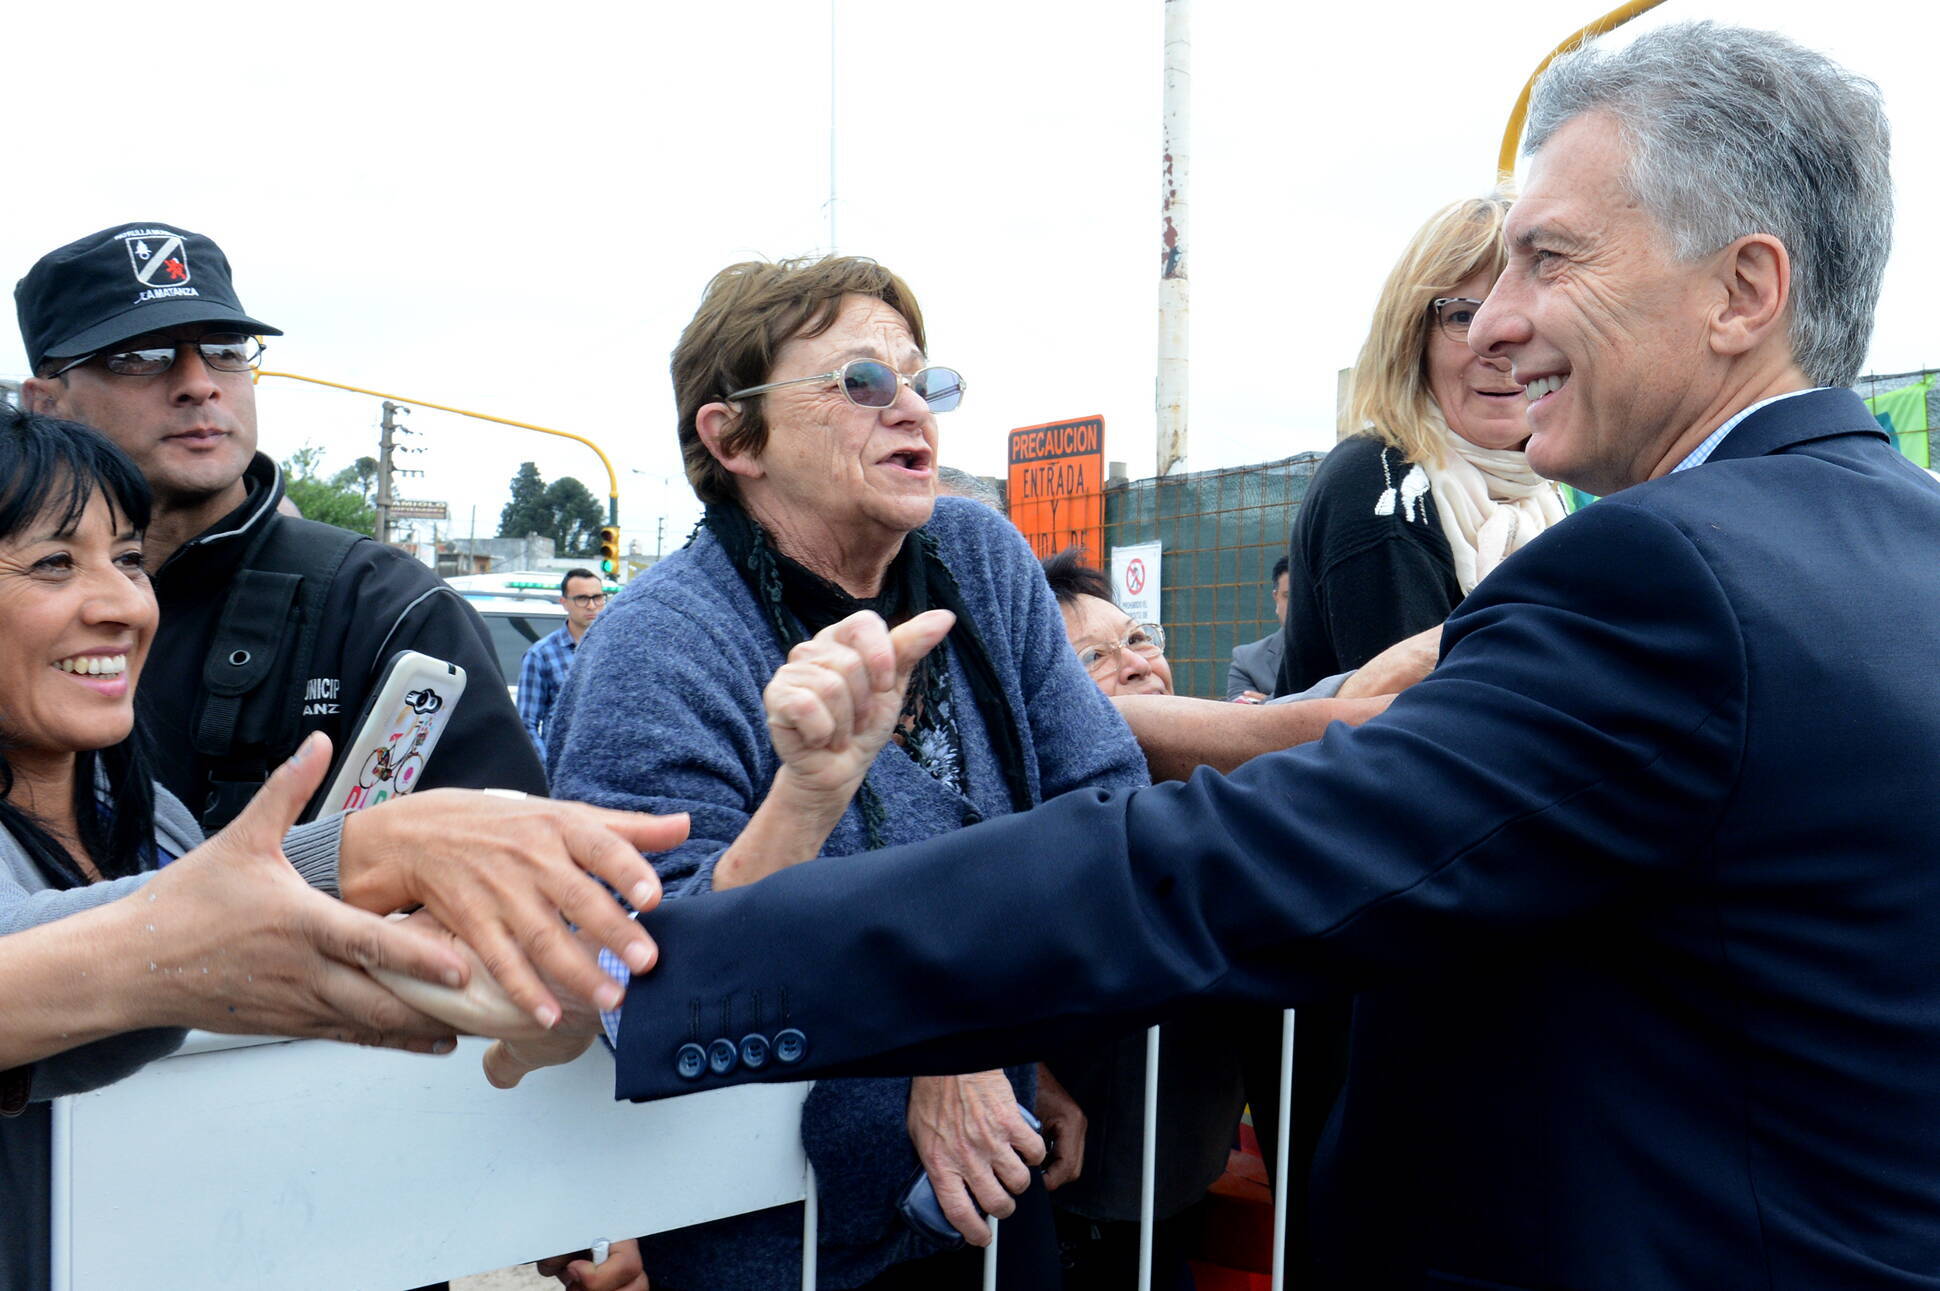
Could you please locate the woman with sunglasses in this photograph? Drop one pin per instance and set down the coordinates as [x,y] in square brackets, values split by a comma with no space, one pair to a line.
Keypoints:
[808,422]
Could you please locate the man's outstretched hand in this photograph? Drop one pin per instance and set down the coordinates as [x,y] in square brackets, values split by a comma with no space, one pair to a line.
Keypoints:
[506,875]
[482,1008]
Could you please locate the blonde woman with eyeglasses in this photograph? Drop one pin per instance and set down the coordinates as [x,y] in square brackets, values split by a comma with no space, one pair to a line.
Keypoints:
[1428,489]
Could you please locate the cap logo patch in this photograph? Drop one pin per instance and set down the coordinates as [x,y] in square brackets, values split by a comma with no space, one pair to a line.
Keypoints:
[158,259]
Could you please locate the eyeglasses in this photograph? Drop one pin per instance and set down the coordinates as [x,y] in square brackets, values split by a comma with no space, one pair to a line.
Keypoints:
[1455,313]
[868,383]
[588,602]
[223,351]
[1146,640]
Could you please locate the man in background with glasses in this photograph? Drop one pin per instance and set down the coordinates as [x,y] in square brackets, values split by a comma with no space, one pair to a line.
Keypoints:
[272,627]
[543,673]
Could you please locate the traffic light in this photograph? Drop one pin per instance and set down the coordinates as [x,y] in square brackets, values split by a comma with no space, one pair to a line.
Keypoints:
[610,550]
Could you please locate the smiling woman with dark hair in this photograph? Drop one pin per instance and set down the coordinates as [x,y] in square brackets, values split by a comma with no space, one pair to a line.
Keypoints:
[80,818]
[72,510]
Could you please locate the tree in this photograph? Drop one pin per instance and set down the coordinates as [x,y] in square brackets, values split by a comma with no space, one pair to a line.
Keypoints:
[329,501]
[361,474]
[576,515]
[565,511]
[526,512]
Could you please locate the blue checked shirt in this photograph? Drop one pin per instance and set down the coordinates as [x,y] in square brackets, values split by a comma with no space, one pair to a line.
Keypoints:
[618,971]
[1702,453]
[541,676]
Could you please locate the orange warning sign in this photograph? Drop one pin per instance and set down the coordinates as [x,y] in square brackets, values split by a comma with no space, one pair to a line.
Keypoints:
[1057,486]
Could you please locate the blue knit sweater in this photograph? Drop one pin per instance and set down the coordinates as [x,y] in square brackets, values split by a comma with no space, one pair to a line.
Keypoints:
[662,713]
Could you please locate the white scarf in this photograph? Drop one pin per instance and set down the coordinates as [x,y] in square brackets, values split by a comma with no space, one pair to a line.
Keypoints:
[1489,501]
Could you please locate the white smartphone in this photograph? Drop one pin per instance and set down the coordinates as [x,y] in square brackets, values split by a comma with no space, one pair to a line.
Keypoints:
[396,735]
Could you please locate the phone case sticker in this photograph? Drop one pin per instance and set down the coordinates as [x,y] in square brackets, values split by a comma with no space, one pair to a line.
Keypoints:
[392,765]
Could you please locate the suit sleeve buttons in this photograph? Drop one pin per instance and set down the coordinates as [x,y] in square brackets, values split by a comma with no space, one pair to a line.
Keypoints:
[722,1056]
[754,1052]
[690,1061]
[791,1046]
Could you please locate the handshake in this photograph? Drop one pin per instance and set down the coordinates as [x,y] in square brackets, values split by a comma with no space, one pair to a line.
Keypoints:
[512,900]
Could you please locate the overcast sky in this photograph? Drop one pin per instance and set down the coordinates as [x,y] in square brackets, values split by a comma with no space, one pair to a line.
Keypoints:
[514,208]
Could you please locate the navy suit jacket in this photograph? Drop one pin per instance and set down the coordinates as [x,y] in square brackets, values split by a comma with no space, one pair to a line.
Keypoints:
[1638,889]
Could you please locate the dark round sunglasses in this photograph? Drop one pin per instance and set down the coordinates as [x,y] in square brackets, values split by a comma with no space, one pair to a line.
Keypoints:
[870,383]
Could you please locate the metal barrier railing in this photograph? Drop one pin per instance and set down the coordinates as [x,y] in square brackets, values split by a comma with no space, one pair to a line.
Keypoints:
[312,1166]
[244,1162]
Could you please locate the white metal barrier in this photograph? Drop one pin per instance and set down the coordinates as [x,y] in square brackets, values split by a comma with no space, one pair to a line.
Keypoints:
[1282,1152]
[1282,1149]
[243,1162]
[251,1163]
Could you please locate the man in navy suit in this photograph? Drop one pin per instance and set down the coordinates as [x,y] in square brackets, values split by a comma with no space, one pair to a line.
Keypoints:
[1638,890]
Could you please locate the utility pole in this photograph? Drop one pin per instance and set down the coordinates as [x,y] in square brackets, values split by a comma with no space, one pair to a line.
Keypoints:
[1174,290]
[386,446]
[832,108]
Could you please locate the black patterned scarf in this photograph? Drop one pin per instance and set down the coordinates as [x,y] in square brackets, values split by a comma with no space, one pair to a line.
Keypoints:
[799,603]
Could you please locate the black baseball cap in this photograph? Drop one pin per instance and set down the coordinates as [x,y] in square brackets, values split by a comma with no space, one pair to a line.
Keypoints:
[121,283]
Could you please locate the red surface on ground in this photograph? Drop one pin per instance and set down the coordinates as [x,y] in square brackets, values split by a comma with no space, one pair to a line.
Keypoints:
[1217,1277]
[1235,1251]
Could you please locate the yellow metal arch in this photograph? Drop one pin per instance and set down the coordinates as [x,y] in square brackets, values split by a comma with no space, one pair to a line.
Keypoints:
[1505,165]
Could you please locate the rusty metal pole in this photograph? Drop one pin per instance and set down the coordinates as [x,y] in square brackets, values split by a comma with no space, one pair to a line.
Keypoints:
[1174,293]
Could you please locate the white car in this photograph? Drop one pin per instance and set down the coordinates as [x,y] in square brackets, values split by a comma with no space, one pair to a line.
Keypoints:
[516,620]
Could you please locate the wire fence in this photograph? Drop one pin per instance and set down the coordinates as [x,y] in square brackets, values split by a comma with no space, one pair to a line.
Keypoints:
[1221,532]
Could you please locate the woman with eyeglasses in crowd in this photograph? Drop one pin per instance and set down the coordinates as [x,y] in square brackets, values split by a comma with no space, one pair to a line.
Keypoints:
[1123,656]
[1427,491]
[724,683]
